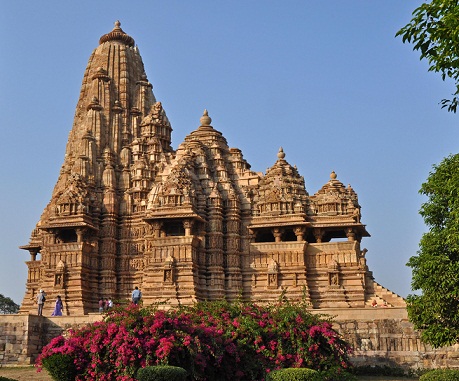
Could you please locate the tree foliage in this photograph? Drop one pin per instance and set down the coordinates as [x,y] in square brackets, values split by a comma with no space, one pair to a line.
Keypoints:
[434,31]
[436,267]
[7,305]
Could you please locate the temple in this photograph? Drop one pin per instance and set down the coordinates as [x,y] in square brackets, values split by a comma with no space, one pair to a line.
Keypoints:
[188,224]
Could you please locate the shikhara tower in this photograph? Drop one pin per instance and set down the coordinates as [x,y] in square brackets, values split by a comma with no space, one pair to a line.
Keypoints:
[195,223]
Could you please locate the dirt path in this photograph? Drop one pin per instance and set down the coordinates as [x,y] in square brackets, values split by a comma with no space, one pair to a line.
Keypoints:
[25,374]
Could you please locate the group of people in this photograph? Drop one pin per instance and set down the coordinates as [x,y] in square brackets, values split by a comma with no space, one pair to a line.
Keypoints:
[58,306]
[104,304]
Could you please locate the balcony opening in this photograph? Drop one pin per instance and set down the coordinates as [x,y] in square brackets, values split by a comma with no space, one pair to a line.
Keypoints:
[67,236]
[174,229]
[264,236]
[289,235]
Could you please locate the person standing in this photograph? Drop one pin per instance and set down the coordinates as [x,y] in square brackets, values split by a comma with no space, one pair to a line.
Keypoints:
[101,305]
[136,295]
[110,303]
[57,307]
[41,298]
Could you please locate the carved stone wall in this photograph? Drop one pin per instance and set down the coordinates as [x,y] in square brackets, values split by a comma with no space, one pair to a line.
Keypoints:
[379,336]
[385,337]
[186,224]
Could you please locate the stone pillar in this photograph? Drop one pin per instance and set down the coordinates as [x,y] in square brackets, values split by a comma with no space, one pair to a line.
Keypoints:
[188,225]
[350,234]
[80,233]
[318,234]
[33,254]
[299,232]
[277,232]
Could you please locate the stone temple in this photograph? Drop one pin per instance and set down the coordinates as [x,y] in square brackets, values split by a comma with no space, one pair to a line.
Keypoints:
[188,224]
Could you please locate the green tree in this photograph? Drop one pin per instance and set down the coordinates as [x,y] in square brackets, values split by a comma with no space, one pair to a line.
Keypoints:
[435,311]
[434,31]
[7,305]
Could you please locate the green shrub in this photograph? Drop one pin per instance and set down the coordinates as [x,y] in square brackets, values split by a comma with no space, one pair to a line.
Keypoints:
[292,374]
[60,367]
[7,379]
[336,373]
[161,373]
[378,370]
[441,375]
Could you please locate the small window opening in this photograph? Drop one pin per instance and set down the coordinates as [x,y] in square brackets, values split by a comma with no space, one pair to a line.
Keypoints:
[67,236]
[289,235]
[264,236]
[175,228]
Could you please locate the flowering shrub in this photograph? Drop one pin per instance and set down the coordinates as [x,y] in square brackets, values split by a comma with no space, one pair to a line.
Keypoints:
[281,335]
[212,341]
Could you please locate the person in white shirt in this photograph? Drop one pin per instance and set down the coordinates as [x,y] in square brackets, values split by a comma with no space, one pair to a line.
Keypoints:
[41,298]
[136,295]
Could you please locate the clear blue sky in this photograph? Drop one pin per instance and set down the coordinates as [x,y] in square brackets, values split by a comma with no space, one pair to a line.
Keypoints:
[326,80]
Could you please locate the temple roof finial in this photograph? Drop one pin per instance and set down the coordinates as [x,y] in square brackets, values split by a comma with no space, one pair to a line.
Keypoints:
[205,118]
[333,175]
[117,34]
[281,153]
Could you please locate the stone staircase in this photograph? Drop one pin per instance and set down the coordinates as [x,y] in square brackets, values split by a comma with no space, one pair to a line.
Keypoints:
[375,291]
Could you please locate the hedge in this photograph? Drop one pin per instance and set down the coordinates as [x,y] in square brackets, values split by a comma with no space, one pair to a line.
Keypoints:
[293,374]
[441,375]
[161,373]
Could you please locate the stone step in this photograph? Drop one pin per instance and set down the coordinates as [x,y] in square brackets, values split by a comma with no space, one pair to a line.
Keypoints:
[383,295]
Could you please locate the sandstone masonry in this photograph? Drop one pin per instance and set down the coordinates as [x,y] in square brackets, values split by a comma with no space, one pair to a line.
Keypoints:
[379,336]
[186,224]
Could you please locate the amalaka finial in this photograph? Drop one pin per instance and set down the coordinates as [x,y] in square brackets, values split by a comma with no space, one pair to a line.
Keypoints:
[333,175]
[205,118]
[117,34]
[281,153]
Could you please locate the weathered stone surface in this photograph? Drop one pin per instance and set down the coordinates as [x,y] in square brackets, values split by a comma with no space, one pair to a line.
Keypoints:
[23,336]
[185,224]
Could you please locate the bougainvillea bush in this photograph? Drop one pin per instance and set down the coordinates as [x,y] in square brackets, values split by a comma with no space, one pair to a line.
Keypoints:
[212,341]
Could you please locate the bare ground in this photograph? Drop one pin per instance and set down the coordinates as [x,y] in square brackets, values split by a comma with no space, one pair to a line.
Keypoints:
[26,373]
[30,374]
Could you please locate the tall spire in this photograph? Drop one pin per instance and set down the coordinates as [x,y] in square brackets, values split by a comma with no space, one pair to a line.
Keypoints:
[116,114]
[115,97]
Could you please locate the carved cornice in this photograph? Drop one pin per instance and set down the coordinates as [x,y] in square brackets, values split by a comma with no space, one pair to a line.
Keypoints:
[82,221]
[284,220]
[30,247]
[173,213]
